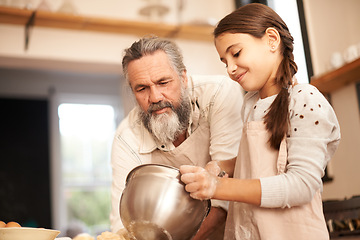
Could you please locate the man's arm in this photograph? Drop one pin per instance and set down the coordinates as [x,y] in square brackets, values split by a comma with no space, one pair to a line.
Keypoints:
[213,225]
[225,130]
[225,121]
[123,160]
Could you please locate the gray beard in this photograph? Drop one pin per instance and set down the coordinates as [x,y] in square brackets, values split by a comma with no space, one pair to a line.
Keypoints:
[166,127]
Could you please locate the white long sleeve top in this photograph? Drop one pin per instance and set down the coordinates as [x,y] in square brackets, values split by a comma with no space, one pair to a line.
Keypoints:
[312,139]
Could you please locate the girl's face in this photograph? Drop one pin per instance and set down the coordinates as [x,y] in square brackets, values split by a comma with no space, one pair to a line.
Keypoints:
[250,61]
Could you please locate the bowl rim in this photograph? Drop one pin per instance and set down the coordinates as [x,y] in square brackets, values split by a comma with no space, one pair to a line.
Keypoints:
[131,173]
[6,229]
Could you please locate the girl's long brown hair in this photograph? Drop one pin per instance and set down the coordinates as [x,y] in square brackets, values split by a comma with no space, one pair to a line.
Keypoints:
[254,19]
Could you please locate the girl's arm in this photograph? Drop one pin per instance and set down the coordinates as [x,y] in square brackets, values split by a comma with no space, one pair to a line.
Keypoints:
[203,185]
[239,190]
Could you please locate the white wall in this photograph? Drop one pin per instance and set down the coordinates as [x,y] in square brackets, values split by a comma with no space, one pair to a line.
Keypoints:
[107,48]
[333,25]
[192,11]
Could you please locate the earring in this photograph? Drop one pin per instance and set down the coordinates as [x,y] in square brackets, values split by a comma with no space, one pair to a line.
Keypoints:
[272,47]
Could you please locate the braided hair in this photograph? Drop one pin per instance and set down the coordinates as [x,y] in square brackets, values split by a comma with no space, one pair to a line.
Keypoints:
[254,19]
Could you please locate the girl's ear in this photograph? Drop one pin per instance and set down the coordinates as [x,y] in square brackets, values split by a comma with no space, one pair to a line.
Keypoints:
[273,38]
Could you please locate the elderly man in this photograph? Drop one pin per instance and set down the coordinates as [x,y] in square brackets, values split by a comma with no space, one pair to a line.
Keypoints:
[178,120]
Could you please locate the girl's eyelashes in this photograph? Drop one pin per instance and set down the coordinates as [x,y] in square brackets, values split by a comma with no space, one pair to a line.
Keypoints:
[237,54]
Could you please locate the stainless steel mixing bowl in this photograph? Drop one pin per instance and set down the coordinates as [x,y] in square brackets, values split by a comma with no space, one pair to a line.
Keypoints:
[155,206]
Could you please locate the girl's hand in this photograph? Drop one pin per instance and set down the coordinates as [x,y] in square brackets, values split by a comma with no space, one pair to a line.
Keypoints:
[199,182]
[213,168]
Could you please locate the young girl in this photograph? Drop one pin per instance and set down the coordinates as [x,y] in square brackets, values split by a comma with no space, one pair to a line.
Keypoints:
[290,133]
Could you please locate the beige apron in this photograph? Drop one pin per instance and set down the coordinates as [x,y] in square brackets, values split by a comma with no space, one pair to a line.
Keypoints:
[193,151]
[256,159]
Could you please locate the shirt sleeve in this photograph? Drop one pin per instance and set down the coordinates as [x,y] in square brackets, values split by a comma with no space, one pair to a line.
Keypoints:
[313,137]
[225,121]
[123,160]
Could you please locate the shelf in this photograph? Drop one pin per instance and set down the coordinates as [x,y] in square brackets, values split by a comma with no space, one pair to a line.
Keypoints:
[23,62]
[77,22]
[334,80]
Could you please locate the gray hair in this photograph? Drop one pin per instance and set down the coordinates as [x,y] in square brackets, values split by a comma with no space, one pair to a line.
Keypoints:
[149,45]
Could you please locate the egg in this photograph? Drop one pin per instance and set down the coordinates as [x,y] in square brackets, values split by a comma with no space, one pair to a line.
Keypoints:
[12,224]
[2,224]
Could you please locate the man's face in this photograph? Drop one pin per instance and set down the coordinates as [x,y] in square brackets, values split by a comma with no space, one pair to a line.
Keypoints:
[167,127]
[153,80]
[161,95]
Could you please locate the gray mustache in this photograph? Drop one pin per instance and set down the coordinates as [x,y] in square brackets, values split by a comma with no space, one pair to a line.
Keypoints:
[160,105]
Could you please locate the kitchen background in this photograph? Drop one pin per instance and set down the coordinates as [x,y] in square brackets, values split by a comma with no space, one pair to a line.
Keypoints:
[71,71]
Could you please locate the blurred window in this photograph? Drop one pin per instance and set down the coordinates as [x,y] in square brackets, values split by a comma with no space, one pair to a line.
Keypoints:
[86,133]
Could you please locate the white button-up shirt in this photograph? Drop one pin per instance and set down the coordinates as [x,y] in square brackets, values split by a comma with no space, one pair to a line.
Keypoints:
[216,98]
